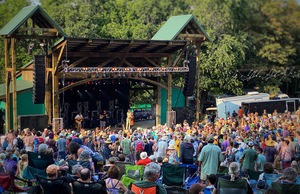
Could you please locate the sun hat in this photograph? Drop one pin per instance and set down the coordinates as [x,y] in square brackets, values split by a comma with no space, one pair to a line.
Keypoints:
[171,147]
[108,141]
[143,155]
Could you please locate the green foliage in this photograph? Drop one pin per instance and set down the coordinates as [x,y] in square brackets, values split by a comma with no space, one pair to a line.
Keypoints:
[245,34]
[8,9]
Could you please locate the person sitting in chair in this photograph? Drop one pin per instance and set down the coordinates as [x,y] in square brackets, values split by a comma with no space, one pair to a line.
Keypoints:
[85,185]
[151,174]
[233,171]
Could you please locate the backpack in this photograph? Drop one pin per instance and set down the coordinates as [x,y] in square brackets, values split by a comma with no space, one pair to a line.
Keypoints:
[20,143]
[139,146]
[231,156]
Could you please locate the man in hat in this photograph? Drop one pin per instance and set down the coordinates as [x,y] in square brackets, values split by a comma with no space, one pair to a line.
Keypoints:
[248,158]
[209,159]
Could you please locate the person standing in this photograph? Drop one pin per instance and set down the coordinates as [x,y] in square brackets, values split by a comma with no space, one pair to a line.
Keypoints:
[128,119]
[125,145]
[78,120]
[209,159]
[103,119]
[61,146]
[28,140]
[248,158]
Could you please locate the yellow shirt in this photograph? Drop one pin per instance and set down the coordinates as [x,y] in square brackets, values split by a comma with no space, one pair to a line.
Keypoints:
[177,146]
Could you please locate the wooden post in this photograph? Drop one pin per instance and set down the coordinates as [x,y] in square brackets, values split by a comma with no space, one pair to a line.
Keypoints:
[158,105]
[169,101]
[197,98]
[14,83]
[54,87]
[48,110]
[7,85]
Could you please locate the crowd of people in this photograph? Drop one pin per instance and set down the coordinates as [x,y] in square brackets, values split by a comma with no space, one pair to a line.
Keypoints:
[243,142]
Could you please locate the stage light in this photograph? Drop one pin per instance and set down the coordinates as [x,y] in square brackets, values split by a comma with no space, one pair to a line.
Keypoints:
[78,91]
[104,75]
[97,75]
[116,90]
[85,90]
[144,75]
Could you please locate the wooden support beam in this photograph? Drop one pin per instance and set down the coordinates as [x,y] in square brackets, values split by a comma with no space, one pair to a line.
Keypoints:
[198,110]
[24,29]
[48,108]
[158,104]
[14,82]
[106,62]
[152,62]
[119,55]
[169,100]
[54,87]
[125,55]
[179,56]
[7,84]
[56,66]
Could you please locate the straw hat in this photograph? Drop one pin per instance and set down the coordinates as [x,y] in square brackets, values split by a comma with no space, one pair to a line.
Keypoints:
[171,147]
[108,141]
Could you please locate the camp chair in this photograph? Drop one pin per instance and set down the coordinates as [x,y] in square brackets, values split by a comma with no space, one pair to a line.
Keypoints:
[88,188]
[146,190]
[176,190]
[173,175]
[7,182]
[39,161]
[253,174]
[269,178]
[132,173]
[223,170]
[286,188]
[121,166]
[84,164]
[53,186]
[233,187]
[191,175]
[29,173]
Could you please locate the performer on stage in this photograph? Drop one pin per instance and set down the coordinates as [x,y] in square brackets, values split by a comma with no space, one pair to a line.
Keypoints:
[128,119]
[103,119]
[78,120]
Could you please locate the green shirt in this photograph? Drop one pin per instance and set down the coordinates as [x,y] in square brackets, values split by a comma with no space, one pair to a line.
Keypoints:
[249,157]
[210,156]
[125,143]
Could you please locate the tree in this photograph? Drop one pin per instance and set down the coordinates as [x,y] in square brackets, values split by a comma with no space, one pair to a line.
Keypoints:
[8,9]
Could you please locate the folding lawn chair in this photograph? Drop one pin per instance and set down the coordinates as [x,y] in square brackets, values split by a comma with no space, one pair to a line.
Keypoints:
[53,186]
[286,188]
[7,182]
[39,161]
[271,178]
[84,164]
[132,173]
[173,175]
[239,186]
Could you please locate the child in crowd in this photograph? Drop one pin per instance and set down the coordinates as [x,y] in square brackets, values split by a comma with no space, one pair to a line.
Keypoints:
[212,179]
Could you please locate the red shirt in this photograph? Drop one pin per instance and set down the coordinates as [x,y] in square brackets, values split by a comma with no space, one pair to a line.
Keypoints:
[143,162]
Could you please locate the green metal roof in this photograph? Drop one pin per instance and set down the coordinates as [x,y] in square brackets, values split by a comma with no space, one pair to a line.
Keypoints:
[27,12]
[179,24]
[21,86]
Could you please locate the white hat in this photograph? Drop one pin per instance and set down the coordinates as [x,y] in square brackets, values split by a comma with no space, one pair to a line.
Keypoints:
[143,155]
[164,138]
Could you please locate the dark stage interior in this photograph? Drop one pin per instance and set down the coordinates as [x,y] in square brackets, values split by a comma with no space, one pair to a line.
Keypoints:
[91,98]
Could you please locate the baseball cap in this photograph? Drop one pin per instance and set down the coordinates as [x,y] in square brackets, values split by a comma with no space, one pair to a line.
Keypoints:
[250,143]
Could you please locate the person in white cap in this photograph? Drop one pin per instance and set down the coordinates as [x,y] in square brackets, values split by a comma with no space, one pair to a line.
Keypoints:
[248,158]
